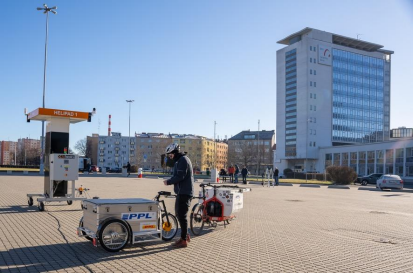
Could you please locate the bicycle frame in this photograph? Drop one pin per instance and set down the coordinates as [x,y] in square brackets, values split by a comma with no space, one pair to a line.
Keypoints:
[163,207]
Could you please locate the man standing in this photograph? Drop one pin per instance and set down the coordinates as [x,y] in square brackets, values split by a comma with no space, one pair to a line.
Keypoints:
[244,173]
[183,181]
[276,176]
[128,168]
[236,173]
[231,171]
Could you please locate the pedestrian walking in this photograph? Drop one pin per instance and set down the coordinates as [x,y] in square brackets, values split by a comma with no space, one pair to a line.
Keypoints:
[128,168]
[183,181]
[270,175]
[276,176]
[244,173]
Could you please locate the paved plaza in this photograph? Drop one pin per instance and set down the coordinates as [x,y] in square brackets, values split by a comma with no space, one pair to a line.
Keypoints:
[281,229]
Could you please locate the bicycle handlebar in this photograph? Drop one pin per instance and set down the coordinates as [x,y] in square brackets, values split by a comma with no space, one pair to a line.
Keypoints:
[167,194]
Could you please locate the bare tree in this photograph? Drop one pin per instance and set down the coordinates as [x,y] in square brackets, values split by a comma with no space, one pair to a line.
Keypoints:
[243,154]
[83,147]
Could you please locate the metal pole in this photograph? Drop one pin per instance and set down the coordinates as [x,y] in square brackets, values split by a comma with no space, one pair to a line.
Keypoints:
[44,93]
[215,146]
[258,148]
[46,10]
[130,102]
[129,135]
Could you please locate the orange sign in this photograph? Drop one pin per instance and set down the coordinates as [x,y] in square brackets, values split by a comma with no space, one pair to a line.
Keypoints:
[45,112]
[148,226]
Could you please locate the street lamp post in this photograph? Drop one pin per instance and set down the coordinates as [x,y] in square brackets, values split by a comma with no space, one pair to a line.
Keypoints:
[130,102]
[46,10]
[215,146]
[258,149]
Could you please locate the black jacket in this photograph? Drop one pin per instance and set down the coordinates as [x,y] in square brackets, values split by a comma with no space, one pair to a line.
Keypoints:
[244,171]
[183,177]
[236,169]
[276,172]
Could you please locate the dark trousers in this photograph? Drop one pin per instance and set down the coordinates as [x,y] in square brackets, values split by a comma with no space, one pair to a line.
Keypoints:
[244,179]
[231,177]
[182,204]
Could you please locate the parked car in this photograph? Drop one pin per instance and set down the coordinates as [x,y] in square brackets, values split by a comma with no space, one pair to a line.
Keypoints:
[389,181]
[94,168]
[369,179]
[115,170]
[107,169]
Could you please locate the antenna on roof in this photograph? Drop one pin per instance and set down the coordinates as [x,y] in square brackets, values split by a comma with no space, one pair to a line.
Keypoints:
[358,34]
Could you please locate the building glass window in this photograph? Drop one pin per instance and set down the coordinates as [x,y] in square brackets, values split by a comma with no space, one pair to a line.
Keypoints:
[359,104]
[291,108]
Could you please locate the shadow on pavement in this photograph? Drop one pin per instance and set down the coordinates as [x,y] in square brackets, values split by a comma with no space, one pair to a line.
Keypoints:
[393,195]
[385,190]
[65,256]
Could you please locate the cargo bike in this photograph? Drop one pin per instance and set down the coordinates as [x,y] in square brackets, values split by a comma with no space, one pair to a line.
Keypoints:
[114,223]
[217,203]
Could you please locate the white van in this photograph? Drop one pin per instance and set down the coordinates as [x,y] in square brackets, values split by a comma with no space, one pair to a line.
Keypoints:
[389,181]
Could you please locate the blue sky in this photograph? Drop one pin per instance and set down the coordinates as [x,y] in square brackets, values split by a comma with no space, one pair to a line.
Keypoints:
[185,63]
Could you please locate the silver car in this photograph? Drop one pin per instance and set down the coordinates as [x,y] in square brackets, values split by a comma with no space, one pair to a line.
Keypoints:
[389,181]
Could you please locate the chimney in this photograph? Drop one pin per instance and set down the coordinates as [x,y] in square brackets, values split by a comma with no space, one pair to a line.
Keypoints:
[109,129]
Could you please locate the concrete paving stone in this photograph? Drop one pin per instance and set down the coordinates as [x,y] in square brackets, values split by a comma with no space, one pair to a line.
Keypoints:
[291,230]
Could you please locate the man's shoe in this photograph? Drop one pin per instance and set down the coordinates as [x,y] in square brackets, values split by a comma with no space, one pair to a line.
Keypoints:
[188,238]
[180,243]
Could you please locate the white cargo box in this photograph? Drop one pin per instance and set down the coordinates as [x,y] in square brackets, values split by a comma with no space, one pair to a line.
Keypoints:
[141,214]
[231,198]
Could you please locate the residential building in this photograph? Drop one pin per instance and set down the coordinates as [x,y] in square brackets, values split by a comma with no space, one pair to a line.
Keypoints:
[149,149]
[28,151]
[253,149]
[8,153]
[205,153]
[332,90]
[92,144]
[113,151]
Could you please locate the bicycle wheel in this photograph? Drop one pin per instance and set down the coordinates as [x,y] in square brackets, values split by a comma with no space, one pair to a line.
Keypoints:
[169,228]
[197,223]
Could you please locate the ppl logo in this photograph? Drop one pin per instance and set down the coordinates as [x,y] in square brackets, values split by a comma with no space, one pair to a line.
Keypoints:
[327,53]
[138,216]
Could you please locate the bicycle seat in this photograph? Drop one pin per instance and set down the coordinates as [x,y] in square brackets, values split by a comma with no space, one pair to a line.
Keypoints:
[166,193]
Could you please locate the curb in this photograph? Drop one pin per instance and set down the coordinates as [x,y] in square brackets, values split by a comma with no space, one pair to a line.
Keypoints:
[310,185]
[338,187]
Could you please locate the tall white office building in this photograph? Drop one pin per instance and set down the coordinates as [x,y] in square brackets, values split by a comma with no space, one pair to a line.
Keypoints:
[331,90]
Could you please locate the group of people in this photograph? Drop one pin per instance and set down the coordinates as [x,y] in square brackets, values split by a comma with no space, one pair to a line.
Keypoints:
[269,173]
[233,173]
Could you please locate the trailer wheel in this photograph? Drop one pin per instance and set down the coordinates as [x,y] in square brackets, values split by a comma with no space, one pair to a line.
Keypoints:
[197,221]
[169,228]
[30,201]
[114,235]
[69,202]
[40,206]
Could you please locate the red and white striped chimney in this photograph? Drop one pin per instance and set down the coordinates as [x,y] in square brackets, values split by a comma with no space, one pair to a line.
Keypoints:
[109,129]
